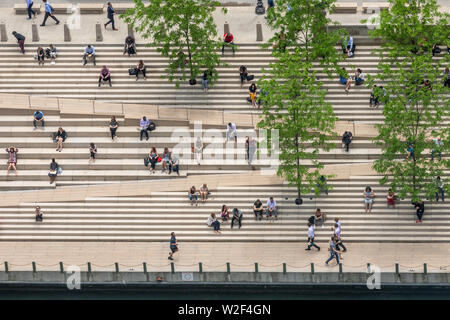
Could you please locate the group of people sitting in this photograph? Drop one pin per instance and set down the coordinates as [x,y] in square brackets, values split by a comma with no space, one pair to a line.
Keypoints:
[168,161]
[48,53]
[236,217]
[270,210]
[346,80]
[193,194]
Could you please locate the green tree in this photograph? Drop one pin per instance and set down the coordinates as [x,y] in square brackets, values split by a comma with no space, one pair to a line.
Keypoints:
[416,103]
[182,31]
[292,96]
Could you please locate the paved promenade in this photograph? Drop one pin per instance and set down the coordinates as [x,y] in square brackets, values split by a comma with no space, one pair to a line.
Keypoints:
[214,256]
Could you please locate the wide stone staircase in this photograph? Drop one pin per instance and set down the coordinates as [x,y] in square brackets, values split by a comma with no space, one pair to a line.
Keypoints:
[68,78]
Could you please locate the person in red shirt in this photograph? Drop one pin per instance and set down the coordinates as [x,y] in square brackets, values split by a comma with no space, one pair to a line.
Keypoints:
[227,40]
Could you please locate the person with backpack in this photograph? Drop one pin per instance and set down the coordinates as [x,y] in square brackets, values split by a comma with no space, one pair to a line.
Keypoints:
[243,74]
[20,40]
[110,16]
[48,13]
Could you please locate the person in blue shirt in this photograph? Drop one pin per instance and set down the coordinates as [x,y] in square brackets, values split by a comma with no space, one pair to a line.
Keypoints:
[89,51]
[38,118]
[48,13]
[110,16]
[345,80]
[30,10]
[333,252]
[173,245]
[348,46]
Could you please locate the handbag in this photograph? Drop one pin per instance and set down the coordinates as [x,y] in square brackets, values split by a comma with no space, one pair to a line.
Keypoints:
[59,170]
[250,77]
[132,71]
[159,159]
[146,161]
[151,126]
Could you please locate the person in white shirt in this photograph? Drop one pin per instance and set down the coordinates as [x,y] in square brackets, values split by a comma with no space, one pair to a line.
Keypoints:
[231,132]
[311,238]
[337,235]
[271,209]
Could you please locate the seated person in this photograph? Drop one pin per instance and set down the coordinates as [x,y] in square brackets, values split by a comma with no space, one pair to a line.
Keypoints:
[225,214]
[390,198]
[174,165]
[89,54]
[59,137]
[243,74]
[211,219]
[252,93]
[359,77]
[141,68]
[39,214]
[38,117]
[227,40]
[374,100]
[347,138]
[237,216]
[165,160]
[53,172]
[40,56]
[216,226]
[271,208]
[204,192]
[345,80]
[319,218]
[130,46]
[435,50]
[258,209]
[12,161]
[193,195]
[50,53]
[348,46]
[105,76]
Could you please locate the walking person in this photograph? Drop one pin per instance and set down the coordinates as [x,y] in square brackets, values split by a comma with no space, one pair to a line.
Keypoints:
[333,252]
[420,210]
[110,16]
[48,13]
[440,189]
[198,150]
[250,144]
[173,245]
[20,40]
[30,10]
[347,138]
[311,238]
[113,125]
[207,74]
[337,236]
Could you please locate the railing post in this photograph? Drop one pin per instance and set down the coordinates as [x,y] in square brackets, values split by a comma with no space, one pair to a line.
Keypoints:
[368,268]
[89,267]
[33,264]
[172,267]
[117,267]
[312,268]
[6,267]
[425,269]
[340,267]
[284,268]
[61,267]
[145,267]
[397,272]
[228,267]
[256,267]
[200,267]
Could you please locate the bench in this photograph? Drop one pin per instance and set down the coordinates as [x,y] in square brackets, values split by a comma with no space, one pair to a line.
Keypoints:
[23,9]
[91,8]
[374,7]
[62,8]
[346,7]
[120,8]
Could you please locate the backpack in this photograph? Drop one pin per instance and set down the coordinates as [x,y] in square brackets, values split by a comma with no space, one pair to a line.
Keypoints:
[146,161]
[132,71]
[260,8]
[151,126]
[311,219]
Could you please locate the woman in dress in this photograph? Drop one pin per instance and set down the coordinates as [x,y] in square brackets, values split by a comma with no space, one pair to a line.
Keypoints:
[12,162]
